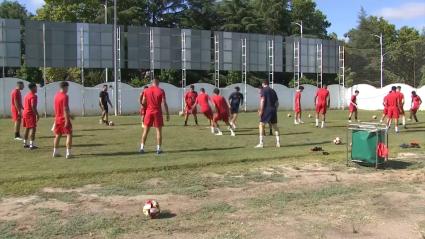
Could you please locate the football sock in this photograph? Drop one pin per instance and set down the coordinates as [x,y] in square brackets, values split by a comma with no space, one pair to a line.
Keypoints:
[54,151]
[261,139]
[396,129]
[276,133]
[68,151]
[317,122]
[25,142]
[31,143]
[212,130]
[16,135]
[404,120]
[158,147]
[142,146]
[323,124]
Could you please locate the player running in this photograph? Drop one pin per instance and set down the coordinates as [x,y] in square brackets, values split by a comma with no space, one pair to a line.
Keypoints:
[190,107]
[154,98]
[322,103]
[401,100]
[385,112]
[394,108]
[103,104]
[16,108]
[203,101]
[222,112]
[63,118]
[415,104]
[30,116]
[235,101]
[142,106]
[297,105]
[353,106]
[269,103]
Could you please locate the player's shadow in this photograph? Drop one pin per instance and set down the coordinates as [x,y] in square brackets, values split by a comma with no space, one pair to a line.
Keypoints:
[307,144]
[129,124]
[74,136]
[296,133]
[128,153]
[201,150]
[166,215]
[103,129]
[88,145]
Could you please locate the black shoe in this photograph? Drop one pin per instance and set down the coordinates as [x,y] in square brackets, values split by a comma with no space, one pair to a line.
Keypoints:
[26,146]
[33,147]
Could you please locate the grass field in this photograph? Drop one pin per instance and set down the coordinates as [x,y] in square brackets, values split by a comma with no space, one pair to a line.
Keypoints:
[210,186]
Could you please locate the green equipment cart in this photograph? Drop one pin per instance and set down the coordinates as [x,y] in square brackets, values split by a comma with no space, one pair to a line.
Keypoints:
[365,138]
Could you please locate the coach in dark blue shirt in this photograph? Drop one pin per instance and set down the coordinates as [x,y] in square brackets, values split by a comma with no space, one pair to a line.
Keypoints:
[269,104]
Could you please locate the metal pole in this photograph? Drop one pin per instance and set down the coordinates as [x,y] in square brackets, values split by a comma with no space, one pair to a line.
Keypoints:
[183,39]
[106,22]
[115,59]
[4,80]
[82,70]
[44,70]
[382,61]
[4,53]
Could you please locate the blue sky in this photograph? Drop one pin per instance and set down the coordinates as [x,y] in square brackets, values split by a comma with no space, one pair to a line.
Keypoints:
[343,13]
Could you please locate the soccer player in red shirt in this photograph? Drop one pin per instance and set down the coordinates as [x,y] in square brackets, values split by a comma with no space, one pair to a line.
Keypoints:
[353,106]
[416,103]
[297,106]
[394,108]
[142,106]
[203,101]
[385,112]
[190,108]
[322,102]
[401,100]
[16,108]
[154,98]
[30,116]
[63,118]
[222,112]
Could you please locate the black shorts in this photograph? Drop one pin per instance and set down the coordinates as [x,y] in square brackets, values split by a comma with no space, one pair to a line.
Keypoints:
[269,117]
[105,108]
[234,109]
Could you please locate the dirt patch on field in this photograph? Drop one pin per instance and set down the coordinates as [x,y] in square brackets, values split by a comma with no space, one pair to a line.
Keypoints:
[312,202]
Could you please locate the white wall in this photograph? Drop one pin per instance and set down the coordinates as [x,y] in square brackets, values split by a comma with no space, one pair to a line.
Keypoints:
[370,98]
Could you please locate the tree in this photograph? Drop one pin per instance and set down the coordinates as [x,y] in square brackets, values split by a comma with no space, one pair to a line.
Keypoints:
[201,14]
[13,10]
[314,21]
[238,16]
[273,15]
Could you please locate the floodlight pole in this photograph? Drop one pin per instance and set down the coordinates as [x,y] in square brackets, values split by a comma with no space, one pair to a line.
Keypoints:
[382,57]
[106,22]
[115,59]
[300,24]
[44,71]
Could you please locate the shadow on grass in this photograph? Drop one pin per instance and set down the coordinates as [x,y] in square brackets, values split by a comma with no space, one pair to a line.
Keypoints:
[103,129]
[296,133]
[129,124]
[88,145]
[201,150]
[166,215]
[307,144]
[395,164]
[74,136]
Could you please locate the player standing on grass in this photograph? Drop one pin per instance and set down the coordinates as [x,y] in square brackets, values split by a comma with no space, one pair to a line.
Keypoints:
[416,103]
[394,108]
[203,101]
[322,103]
[190,108]
[16,108]
[142,106]
[30,116]
[154,98]
[401,100]
[297,106]
[235,100]
[269,103]
[385,112]
[103,104]
[63,124]
[353,106]
[222,112]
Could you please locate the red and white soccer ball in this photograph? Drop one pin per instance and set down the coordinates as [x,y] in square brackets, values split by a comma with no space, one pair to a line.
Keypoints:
[289,115]
[337,141]
[151,209]
[374,117]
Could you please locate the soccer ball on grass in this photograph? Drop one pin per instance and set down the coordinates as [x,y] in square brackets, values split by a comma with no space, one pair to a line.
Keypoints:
[110,123]
[337,141]
[151,209]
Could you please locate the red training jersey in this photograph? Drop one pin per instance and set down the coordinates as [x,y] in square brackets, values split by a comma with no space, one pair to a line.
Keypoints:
[385,101]
[322,95]
[400,97]
[220,104]
[16,97]
[190,97]
[30,102]
[154,97]
[416,101]
[298,99]
[61,102]
[202,100]
[392,99]
[353,100]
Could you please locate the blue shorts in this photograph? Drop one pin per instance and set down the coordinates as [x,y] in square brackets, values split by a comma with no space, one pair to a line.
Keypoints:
[269,117]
